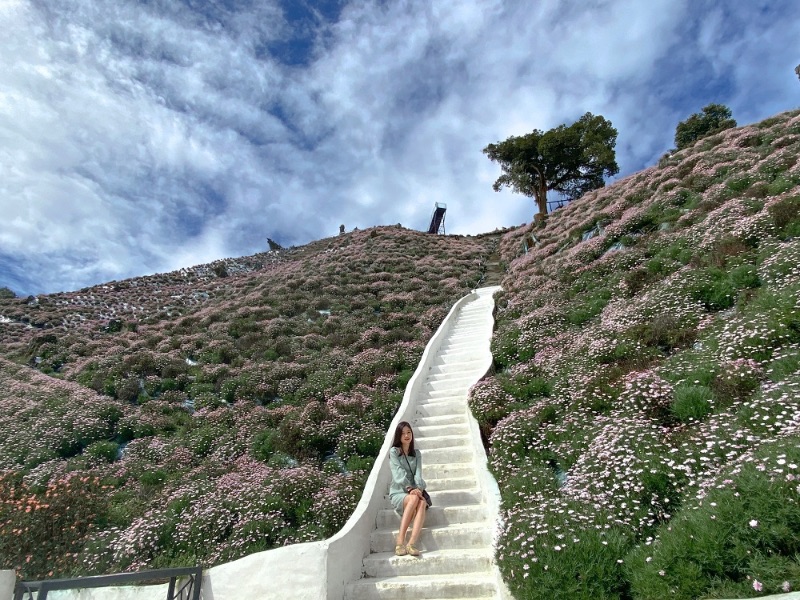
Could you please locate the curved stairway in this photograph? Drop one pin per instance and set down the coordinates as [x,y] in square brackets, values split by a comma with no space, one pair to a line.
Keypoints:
[457,554]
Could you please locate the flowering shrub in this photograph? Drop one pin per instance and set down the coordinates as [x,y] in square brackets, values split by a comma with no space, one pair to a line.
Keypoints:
[488,402]
[739,536]
[44,528]
[663,313]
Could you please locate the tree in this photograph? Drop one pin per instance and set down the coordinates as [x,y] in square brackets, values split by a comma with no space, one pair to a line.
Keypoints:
[797,70]
[713,119]
[571,160]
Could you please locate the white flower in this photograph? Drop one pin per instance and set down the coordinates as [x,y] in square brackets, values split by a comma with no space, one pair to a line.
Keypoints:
[753,523]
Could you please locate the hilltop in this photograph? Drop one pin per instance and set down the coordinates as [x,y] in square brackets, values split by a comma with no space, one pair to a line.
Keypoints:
[641,416]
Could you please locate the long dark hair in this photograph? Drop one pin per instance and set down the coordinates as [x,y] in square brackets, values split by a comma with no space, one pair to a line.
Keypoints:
[397,443]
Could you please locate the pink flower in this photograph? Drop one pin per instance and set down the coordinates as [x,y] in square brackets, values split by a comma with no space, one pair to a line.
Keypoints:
[757,585]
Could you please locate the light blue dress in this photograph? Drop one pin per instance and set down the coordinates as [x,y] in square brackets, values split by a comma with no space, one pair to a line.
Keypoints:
[404,475]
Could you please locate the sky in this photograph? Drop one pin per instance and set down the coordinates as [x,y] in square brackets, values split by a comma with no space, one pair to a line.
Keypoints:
[142,136]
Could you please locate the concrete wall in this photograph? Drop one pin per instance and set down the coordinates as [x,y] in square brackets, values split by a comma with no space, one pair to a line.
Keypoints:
[7,582]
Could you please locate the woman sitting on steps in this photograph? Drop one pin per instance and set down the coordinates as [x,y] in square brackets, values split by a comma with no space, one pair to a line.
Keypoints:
[405,491]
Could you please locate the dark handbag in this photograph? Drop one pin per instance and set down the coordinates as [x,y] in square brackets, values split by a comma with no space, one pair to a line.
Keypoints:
[427,497]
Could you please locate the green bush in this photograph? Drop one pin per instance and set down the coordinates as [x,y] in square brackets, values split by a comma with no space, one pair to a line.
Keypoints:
[574,553]
[103,450]
[713,119]
[691,403]
[786,216]
[713,289]
[744,534]
[744,277]
[263,445]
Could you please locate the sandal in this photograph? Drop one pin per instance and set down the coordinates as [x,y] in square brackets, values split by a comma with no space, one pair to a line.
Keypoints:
[400,550]
[412,550]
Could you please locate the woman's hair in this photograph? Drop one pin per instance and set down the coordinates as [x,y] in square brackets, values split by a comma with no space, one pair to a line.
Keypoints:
[397,443]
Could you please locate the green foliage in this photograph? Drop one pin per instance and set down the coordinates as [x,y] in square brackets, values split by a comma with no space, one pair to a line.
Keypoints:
[263,445]
[713,289]
[103,450]
[744,277]
[589,306]
[746,529]
[713,119]
[691,403]
[665,332]
[563,564]
[6,292]
[42,530]
[786,215]
[570,160]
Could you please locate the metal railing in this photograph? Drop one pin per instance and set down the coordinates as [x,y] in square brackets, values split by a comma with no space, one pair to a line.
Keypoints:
[190,590]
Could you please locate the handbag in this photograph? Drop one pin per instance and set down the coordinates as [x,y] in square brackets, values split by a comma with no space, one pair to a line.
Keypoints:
[425,493]
[427,497]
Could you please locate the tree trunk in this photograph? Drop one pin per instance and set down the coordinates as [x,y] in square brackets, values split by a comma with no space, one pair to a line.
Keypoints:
[540,192]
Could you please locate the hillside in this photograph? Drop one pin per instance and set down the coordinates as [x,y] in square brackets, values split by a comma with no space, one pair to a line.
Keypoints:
[642,416]
[201,415]
[643,419]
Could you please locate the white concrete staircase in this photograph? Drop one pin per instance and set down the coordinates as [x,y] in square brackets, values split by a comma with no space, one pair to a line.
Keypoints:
[456,543]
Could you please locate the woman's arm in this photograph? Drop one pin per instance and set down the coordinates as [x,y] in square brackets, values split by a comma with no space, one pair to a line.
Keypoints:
[418,480]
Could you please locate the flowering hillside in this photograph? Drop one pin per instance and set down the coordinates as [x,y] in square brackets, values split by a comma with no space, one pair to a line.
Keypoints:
[643,417]
[201,415]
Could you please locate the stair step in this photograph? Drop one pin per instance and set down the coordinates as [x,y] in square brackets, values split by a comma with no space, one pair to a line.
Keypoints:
[449,483]
[438,421]
[468,535]
[450,376]
[453,392]
[436,562]
[444,471]
[432,431]
[437,516]
[441,409]
[443,441]
[457,383]
[444,358]
[456,497]
[469,365]
[458,454]
[422,586]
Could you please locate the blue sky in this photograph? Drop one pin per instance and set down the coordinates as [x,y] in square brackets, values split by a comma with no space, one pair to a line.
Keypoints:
[139,137]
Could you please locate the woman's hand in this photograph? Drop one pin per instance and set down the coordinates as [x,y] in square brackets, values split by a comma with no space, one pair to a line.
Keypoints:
[416,492]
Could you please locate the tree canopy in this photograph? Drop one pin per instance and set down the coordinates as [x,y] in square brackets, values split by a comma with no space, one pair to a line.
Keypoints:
[713,119]
[569,159]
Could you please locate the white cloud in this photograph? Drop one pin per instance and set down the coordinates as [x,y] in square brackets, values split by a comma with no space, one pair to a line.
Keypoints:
[143,137]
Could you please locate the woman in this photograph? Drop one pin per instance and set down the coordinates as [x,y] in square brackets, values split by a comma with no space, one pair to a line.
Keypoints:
[405,491]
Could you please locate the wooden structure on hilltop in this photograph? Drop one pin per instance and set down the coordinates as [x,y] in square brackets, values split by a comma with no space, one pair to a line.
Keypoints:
[437,218]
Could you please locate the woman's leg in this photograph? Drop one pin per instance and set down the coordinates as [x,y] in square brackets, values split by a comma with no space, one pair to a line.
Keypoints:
[419,520]
[409,506]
